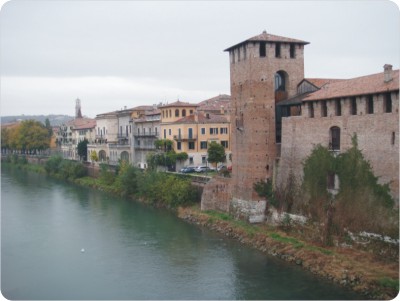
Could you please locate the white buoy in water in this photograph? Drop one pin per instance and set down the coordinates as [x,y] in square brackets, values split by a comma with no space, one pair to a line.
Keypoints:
[82,250]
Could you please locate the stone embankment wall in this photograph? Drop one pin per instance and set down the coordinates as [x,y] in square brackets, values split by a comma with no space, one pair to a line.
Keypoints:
[217,194]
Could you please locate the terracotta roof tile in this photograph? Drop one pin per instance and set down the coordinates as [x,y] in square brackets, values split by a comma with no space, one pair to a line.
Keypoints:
[215,103]
[363,85]
[179,104]
[319,82]
[82,123]
[266,37]
[202,118]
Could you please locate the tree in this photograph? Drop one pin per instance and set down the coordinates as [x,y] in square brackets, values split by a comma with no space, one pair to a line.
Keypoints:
[48,127]
[163,144]
[32,135]
[94,157]
[216,153]
[82,149]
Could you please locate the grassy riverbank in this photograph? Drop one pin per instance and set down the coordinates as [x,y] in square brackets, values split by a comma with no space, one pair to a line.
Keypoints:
[362,271]
[373,275]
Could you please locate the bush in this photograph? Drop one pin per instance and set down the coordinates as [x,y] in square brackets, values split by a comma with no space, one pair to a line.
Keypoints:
[126,181]
[52,165]
[106,177]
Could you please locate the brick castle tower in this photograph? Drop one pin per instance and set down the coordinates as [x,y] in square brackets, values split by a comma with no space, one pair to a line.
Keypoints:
[264,70]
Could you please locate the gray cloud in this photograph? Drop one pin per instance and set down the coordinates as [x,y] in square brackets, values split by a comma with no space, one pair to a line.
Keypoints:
[178,46]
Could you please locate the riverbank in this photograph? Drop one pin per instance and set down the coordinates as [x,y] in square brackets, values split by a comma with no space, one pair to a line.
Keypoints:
[373,276]
[358,270]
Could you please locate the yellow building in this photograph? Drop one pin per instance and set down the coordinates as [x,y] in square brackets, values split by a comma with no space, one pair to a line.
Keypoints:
[193,130]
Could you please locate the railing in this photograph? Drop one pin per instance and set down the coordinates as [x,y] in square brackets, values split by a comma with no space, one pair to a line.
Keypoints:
[144,147]
[148,135]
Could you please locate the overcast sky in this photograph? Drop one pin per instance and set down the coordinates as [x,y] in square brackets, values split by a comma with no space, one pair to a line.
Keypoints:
[113,54]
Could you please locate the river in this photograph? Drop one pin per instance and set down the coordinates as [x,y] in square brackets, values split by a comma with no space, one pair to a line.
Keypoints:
[61,241]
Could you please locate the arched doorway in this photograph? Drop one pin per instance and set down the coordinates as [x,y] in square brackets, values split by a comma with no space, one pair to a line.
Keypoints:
[125,156]
[102,156]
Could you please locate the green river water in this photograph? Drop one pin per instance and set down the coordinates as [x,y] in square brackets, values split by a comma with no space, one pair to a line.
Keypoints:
[60,241]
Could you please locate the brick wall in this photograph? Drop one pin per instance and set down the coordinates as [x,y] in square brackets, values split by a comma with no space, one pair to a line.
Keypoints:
[378,137]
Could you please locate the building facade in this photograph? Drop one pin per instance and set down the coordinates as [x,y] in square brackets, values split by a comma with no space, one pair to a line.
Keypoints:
[74,131]
[192,128]
[278,116]
[146,130]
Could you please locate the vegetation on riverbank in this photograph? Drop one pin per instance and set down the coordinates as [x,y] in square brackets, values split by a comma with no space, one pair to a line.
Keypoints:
[362,271]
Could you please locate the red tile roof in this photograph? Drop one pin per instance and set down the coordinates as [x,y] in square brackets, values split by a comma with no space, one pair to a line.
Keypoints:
[266,37]
[319,82]
[202,118]
[369,84]
[82,123]
[179,104]
[215,103]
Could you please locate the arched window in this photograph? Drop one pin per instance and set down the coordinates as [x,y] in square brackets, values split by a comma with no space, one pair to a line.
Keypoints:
[125,156]
[280,81]
[176,113]
[183,113]
[102,156]
[334,138]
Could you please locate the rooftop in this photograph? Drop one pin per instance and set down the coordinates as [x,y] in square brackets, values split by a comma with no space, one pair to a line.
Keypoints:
[203,118]
[363,85]
[179,104]
[267,37]
[82,123]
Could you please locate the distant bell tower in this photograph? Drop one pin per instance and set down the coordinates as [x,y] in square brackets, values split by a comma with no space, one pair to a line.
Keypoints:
[78,112]
[264,70]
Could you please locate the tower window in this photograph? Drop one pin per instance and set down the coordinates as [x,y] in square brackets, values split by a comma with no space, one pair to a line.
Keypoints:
[183,113]
[280,81]
[278,50]
[263,51]
[324,109]
[176,113]
[388,103]
[334,143]
[338,107]
[353,106]
[292,51]
[370,105]
[310,110]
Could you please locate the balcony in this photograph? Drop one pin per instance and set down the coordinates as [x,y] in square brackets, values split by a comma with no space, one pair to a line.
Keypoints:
[145,147]
[146,135]
[185,137]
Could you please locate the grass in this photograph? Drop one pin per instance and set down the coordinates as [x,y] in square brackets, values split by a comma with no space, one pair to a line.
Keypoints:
[389,282]
[286,239]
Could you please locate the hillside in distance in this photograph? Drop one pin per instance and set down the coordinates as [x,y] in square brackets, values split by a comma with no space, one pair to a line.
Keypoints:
[55,120]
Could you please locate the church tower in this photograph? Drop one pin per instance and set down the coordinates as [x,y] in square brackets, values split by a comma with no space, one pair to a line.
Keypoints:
[264,70]
[78,112]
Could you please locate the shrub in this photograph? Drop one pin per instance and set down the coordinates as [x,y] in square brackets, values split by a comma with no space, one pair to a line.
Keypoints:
[52,165]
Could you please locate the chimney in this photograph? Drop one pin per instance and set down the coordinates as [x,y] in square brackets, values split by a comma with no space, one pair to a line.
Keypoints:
[222,110]
[388,72]
[196,116]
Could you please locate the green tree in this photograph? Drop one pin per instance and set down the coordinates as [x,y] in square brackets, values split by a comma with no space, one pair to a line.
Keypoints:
[216,153]
[82,149]
[126,181]
[93,156]
[5,138]
[32,135]
[48,127]
[164,144]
